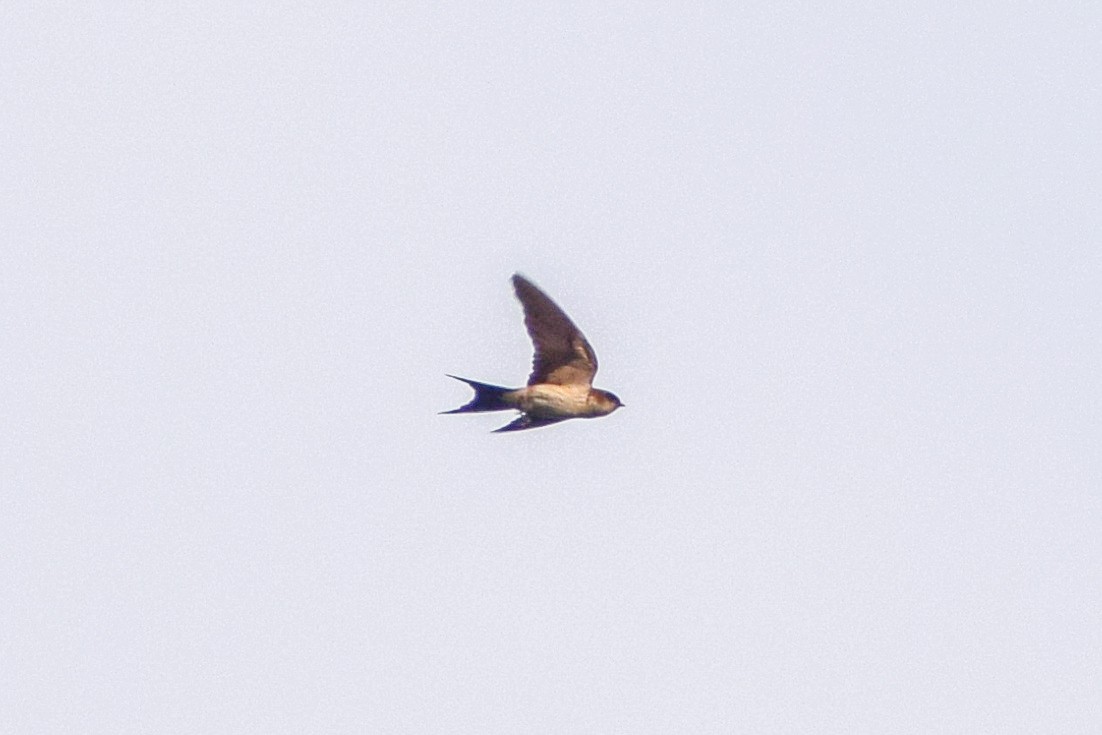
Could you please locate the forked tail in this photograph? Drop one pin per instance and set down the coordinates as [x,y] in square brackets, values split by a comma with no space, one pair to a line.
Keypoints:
[486,397]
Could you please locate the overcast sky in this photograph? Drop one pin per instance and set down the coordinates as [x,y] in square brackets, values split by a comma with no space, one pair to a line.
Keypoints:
[843,266]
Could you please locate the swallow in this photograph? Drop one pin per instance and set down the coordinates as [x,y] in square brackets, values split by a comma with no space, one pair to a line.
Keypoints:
[561,384]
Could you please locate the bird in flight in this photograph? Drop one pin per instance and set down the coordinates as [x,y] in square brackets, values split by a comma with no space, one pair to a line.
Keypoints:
[561,384]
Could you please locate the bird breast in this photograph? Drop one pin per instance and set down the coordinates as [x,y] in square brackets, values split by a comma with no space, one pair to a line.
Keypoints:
[548,400]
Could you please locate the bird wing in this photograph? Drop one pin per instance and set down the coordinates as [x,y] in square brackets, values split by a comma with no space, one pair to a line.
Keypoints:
[562,354]
[527,421]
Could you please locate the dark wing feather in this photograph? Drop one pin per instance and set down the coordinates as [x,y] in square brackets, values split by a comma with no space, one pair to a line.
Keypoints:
[562,354]
[525,421]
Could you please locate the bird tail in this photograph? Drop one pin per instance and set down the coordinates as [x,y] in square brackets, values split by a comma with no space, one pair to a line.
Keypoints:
[486,398]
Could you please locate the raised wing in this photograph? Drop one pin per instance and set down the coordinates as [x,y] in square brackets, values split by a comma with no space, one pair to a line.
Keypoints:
[563,356]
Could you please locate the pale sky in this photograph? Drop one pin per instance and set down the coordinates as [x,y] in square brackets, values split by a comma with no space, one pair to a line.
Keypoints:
[842,264]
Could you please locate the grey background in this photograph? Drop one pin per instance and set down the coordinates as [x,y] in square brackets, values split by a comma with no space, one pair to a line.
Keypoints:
[841,264]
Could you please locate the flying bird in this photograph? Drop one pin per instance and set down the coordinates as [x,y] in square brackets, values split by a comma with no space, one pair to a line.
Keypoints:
[561,384]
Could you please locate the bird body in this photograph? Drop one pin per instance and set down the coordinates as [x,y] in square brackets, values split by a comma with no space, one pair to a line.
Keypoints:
[567,401]
[560,386]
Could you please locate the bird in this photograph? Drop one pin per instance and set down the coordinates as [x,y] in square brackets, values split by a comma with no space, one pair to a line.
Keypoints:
[561,384]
